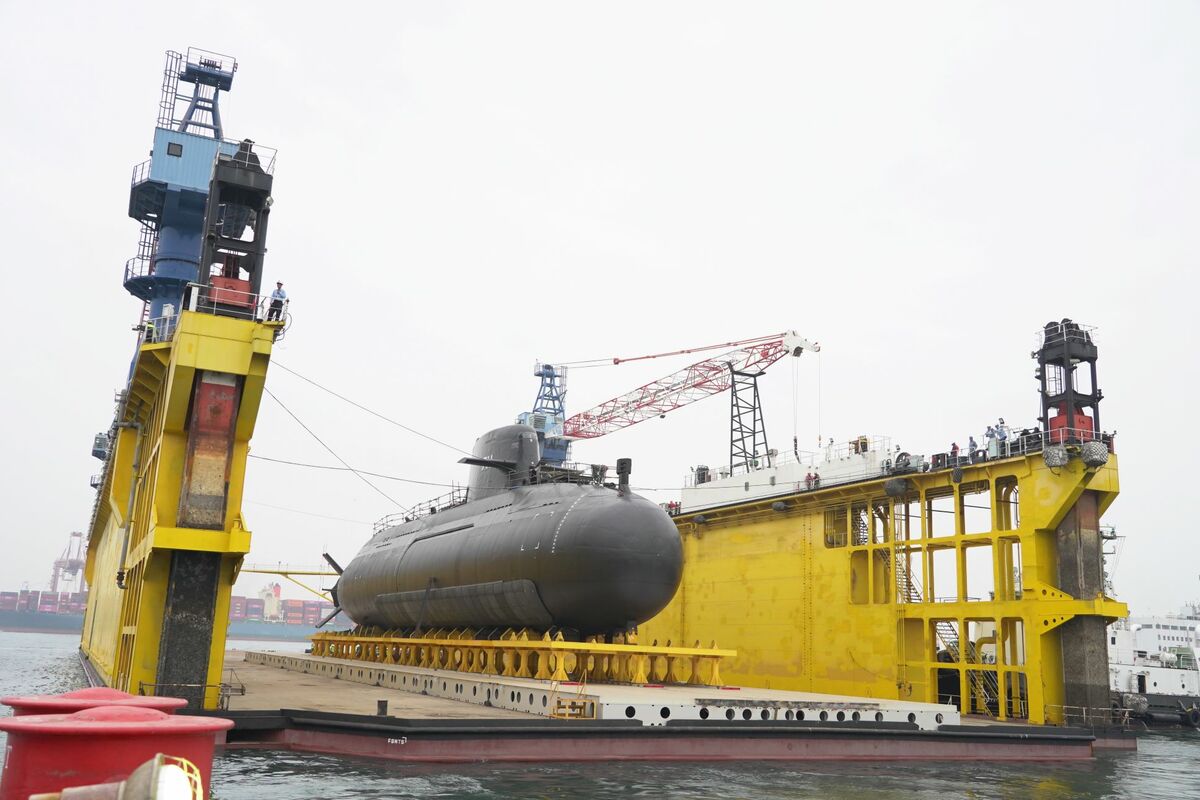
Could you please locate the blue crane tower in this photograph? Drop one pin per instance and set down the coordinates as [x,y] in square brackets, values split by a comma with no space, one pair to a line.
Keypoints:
[170,194]
[549,412]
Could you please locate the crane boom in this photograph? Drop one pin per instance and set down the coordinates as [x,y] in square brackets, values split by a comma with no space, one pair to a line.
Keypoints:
[702,379]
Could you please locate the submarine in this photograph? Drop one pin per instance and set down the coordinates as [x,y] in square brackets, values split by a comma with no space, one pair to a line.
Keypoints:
[532,546]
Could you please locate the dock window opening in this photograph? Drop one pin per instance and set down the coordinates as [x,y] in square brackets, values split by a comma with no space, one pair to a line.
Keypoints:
[836,524]
[881,521]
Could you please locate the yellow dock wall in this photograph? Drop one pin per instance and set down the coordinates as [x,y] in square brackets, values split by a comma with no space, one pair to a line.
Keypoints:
[817,595]
[123,627]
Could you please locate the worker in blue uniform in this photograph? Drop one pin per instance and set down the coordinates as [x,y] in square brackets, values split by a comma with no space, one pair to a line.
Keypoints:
[278,297]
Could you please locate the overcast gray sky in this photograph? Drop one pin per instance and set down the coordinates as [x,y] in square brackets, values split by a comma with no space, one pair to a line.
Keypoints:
[463,188]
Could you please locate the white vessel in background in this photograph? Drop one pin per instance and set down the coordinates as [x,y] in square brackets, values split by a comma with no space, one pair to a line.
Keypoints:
[1153,670]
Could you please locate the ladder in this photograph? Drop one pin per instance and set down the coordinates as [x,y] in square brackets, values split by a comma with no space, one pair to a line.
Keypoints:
[984,685]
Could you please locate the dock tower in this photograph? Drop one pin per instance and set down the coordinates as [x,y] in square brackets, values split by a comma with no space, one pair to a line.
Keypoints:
[549,412]
[973,578]
[167,534]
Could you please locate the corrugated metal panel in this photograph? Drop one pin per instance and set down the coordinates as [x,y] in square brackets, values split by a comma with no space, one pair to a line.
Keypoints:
[192,168]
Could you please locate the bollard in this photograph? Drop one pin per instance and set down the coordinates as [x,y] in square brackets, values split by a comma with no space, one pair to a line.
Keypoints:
[51,752]
[70,702]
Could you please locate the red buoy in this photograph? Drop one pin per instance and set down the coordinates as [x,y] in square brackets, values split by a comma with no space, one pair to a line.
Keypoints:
[70,702]
[50,752]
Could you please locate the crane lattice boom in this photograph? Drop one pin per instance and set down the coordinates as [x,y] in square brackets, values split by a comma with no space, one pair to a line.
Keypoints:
[702,379]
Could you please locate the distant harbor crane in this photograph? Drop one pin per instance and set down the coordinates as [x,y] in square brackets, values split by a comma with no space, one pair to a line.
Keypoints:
[69,566]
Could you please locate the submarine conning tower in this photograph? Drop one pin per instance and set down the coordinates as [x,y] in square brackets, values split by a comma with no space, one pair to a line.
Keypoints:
[501,459]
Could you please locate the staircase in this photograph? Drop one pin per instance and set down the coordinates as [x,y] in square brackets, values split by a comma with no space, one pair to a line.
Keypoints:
[984,685]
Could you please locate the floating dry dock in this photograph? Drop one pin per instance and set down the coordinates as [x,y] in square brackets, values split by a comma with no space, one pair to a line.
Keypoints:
[315,704]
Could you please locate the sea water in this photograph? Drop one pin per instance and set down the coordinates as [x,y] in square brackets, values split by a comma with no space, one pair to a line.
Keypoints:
[1167,764]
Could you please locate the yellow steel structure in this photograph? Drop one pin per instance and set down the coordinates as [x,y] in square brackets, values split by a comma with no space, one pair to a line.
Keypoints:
[874,588]
[526,654]
[153,476]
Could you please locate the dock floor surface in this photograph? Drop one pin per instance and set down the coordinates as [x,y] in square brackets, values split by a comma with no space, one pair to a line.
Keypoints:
[274,688]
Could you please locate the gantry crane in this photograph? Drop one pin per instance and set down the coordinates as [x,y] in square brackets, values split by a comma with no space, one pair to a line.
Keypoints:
[68,566]
[737,368]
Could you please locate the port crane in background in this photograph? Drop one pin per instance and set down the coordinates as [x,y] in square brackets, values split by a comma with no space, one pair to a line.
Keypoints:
[737,368]
[68,566]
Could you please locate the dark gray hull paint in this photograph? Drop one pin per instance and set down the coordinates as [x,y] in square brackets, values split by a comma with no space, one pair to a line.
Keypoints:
[579,557]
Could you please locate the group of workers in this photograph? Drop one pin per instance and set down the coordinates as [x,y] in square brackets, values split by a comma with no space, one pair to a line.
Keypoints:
[997,433]
[812,480]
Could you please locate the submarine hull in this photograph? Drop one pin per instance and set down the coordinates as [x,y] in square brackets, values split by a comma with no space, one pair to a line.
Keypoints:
[581,557]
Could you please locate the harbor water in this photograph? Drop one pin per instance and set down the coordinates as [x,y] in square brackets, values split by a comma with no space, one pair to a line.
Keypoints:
[1165,765]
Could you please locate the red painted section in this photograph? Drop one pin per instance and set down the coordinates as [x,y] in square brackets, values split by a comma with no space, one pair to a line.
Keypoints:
[210,443]
[70,702]
[230,291]
[608,747]
[48,753]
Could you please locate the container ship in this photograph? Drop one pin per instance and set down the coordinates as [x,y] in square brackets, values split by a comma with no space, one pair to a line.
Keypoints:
[266,617]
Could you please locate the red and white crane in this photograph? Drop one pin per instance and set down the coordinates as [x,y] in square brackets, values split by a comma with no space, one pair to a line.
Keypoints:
[748,357]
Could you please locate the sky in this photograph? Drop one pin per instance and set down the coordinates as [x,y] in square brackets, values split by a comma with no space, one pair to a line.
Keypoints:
[463,189]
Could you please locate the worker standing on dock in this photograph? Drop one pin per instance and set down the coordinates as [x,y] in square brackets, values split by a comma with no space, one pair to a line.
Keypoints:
[278,298]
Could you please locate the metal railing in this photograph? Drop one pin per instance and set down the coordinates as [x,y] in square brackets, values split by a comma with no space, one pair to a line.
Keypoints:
[254,156]
[1018,443]
[210,60]
[862,445]
[445,502]
[138,267]
[225,302]
[160,329]
[141,172]
[1065,331]
[568,472]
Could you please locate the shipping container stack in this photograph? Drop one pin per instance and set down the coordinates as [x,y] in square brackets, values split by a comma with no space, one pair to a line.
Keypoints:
[27,600]
[254,608]
[293,612]
[237,608]
[9,600]
[78,603]
[48,603]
